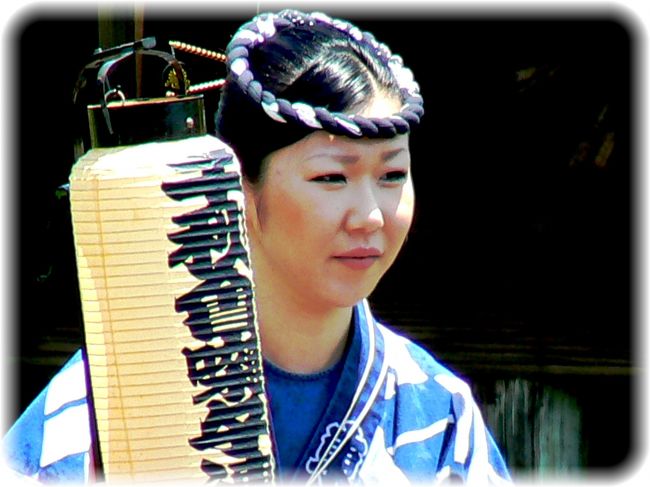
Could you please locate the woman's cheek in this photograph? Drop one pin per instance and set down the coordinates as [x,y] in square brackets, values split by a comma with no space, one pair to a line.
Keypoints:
[292,218]
[311,207]
[405,207]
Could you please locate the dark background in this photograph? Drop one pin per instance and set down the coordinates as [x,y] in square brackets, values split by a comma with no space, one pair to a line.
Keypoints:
[521,262]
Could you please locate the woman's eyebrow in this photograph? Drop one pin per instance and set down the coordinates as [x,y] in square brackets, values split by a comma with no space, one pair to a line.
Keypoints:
[391,154]
[342,158]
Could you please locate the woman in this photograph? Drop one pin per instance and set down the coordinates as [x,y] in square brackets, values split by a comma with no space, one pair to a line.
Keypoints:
[319,113]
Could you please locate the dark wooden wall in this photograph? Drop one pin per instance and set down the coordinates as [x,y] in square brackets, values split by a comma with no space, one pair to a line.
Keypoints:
[518,273]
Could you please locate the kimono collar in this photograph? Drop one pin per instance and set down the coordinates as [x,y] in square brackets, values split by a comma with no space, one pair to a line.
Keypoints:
[371,374]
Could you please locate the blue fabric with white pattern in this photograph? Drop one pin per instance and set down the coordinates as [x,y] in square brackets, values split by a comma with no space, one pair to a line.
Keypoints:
[398,416]
[50,442]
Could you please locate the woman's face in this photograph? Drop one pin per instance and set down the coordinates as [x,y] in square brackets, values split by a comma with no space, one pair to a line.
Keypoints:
[330,216]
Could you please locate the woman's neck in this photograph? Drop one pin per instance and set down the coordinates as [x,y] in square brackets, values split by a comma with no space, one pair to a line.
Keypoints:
[302,339]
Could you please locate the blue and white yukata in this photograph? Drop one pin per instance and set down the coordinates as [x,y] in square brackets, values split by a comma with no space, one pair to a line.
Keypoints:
[396,416]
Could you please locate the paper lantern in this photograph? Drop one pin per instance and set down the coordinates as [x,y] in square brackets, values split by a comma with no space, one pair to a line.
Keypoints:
[167,298]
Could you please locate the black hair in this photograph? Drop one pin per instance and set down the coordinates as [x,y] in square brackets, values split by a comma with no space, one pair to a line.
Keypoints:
[314,64]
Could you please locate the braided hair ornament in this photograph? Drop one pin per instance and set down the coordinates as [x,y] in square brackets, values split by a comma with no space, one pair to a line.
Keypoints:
[265,26]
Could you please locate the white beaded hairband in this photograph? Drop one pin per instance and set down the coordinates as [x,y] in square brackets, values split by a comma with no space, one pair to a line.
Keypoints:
[264,26]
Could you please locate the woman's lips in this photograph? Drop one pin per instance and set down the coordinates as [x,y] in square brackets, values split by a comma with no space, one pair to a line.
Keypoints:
[358,258]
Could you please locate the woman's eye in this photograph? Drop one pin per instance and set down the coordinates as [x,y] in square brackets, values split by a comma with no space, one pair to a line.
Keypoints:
[394,177]
[330,179]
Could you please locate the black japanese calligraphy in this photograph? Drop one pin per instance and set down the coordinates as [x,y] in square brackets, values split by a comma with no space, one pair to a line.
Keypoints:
[224,366]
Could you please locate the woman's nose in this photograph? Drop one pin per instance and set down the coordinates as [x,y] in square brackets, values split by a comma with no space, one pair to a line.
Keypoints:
[365,212]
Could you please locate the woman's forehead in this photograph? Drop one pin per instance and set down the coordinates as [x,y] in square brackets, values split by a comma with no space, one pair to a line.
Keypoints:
[321,143]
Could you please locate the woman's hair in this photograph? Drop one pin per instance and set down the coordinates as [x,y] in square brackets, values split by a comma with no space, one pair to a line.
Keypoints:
[291,74]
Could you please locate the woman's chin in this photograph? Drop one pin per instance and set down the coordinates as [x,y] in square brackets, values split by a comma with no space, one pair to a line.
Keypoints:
[345,297]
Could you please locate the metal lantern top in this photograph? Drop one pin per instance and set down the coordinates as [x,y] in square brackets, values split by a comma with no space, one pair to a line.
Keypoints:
[118,120]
